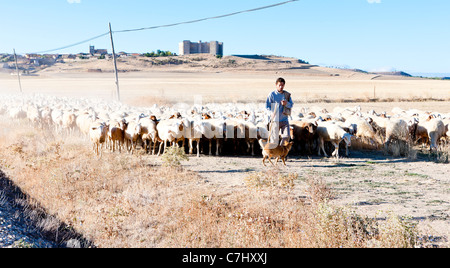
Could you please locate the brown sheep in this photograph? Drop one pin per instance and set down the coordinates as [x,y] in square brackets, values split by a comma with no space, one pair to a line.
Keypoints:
[303,134]
[116,135]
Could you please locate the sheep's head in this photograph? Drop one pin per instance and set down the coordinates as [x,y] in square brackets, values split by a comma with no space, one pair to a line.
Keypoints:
[348,139]
[291,131]
[412,127]
[311,127]
[206,116]
[138,129]
[123,125]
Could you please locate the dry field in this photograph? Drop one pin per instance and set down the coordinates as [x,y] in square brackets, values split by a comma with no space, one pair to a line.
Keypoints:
[127,200]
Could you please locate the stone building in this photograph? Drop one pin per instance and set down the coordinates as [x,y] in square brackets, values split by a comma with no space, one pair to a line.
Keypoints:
[214,47]
[94,51]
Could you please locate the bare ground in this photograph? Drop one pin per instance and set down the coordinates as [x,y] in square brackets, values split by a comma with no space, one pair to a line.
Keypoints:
[370,182]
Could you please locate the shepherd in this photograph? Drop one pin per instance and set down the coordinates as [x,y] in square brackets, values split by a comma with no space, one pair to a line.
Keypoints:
[279,103]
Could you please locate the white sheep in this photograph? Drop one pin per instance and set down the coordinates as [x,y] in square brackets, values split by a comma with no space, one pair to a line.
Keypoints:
[46,117]
[169,131]
[132,133]
[98,134]
[149,132]
[34,115]
[17,113]
[57,118]
[84,120]
[69,122]
[213,129]
[435,129]
[195,132]
[447,126]
[399,129]
[362,128]
[329,131]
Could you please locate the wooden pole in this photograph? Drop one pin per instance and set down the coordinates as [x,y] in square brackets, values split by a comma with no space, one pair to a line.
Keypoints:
[17,70]
[115,63]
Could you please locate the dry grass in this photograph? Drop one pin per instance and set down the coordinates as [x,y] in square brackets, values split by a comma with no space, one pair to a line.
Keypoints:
[129,201]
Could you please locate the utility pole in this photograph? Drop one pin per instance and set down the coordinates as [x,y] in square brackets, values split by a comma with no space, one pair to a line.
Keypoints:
[17,70]
[115,62]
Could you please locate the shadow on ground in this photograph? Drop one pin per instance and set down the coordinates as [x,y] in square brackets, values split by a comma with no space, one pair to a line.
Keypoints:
[37,220]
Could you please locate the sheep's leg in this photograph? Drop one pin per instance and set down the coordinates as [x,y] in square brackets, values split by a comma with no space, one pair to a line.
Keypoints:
[321,147]
[160,147]
[150,144]
[336,149]
[154,147]
[191,147]
[217,147]
[210,145]
[198,148]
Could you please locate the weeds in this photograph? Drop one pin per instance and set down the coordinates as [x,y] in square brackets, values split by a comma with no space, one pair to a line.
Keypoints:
[127,201]
[173,156]
[271,179]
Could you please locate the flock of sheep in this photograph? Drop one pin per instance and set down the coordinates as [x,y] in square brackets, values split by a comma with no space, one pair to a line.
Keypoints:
[222,129]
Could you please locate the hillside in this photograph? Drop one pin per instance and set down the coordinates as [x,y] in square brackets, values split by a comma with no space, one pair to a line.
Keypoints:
[198,63]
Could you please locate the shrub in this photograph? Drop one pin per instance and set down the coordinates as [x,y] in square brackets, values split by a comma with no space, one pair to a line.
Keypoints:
[173,156]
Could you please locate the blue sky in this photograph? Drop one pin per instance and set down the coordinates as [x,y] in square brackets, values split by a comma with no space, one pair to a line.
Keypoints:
[403,35]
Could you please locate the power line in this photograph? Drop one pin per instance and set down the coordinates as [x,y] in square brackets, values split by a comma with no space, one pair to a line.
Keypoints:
[72,45]
[167,25]
[204,19]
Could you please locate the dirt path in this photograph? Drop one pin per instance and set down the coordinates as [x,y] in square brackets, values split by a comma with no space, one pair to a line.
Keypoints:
[369,182]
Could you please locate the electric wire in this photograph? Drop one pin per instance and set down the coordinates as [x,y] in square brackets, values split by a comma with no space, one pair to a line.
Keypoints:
[205,19]
[165,26]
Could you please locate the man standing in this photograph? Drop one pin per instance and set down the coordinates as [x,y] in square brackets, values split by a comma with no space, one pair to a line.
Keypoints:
[279,103]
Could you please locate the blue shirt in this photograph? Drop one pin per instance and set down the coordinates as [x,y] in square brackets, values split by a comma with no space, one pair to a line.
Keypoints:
[276,97]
